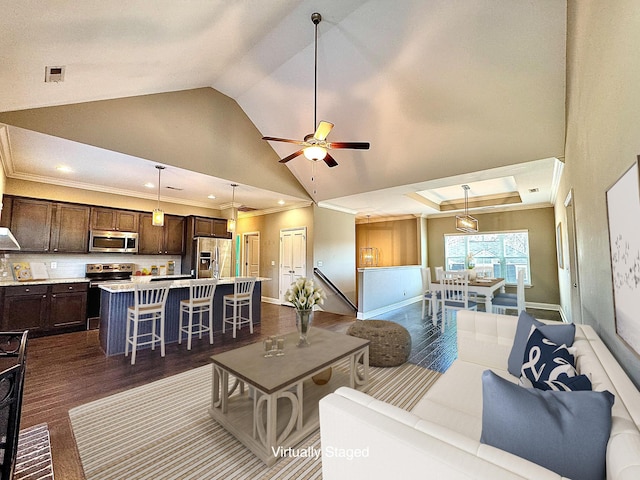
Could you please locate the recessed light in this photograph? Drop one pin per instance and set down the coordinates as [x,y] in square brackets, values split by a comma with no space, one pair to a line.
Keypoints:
[212,196]
[149,185]
[280,202]
[534,190]
[64,168]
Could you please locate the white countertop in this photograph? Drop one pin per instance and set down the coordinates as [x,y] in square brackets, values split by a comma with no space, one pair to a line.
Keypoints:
[12,283]
[127,286]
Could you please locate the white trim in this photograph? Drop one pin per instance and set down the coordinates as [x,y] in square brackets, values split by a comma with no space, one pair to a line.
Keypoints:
[274,301]
[387,308]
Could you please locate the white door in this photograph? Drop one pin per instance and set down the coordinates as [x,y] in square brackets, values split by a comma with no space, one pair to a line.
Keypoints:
[575,315]
[293,257]
[252,254]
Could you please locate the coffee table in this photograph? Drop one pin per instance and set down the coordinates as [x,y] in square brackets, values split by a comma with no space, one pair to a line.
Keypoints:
[280,406]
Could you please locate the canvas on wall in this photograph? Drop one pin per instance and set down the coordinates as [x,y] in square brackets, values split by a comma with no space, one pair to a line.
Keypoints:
[623,210]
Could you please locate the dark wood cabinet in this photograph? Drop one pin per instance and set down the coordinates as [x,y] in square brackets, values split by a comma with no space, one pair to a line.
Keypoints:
[31,224]
[114,219]
[44,308]
[5,213]
[167,240]
[208,227]
[43,226]
[68,305]
[25,307]
[70,228]
[173,235]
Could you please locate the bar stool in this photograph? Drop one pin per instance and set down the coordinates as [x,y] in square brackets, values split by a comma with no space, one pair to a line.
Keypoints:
[241,297]
[200,302]
[150,300]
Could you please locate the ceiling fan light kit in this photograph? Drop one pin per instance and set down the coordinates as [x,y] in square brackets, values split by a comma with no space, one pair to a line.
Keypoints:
[466,223]
[315,145]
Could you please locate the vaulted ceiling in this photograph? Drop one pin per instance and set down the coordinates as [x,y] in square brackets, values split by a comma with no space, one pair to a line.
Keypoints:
[447,92]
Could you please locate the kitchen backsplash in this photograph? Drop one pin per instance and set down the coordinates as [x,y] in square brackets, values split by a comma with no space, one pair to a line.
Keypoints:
[73,266]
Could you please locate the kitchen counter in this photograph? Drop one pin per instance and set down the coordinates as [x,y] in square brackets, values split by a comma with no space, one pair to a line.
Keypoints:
[48,281]
[181,282]
[116,298]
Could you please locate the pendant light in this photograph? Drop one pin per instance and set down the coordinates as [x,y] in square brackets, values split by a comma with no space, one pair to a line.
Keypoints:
[157,219]
[466,223]
[368,255]
[231,223]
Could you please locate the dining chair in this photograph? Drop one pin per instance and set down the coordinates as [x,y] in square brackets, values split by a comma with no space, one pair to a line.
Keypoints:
[13,351]
[508,301]
[428,294]
[455,293]
[200,303]
[439,271]
[145,318]
[242,297]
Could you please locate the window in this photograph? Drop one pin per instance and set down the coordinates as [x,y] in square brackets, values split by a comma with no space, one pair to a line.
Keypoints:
[492,254]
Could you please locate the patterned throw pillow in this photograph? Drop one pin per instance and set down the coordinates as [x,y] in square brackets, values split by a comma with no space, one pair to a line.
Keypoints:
[548,366]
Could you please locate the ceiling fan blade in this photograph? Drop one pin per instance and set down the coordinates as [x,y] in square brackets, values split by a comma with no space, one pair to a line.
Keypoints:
[330,161]
[276,139]
[323,130]
[291,157]
[354,145]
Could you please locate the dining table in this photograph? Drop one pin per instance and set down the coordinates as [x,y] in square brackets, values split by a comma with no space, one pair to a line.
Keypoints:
[486,286]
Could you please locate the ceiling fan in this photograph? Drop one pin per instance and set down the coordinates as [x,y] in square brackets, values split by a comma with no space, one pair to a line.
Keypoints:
[315,145]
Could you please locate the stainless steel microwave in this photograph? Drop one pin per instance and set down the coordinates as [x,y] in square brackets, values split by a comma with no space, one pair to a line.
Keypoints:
[110,241]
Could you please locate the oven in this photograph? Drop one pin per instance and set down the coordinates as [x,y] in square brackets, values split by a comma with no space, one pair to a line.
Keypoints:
[102,274]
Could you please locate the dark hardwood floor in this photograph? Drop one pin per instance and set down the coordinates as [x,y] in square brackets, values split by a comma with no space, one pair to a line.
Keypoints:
[68,370]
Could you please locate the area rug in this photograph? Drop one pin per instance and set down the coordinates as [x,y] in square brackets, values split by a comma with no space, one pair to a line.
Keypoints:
[163,430]
[33,460]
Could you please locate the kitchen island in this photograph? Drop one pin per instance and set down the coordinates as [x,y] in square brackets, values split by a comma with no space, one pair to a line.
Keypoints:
[116,298]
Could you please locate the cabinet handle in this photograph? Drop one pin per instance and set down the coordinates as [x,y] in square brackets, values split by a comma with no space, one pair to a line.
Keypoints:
[44,296]
[27,290]
[70,288]
[54,295]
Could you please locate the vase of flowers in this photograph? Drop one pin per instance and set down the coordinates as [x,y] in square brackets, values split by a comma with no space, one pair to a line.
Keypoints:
[303,294]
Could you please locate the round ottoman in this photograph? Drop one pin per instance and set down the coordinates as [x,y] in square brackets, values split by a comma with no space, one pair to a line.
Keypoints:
[390,342]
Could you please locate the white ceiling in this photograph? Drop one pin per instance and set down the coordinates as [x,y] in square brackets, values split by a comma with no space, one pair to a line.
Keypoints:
[447,93]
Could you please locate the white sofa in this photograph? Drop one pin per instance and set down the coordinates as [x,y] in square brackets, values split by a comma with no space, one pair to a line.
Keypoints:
[440,437]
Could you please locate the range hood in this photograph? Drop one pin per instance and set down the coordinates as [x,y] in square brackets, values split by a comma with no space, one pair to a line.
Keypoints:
[7,240]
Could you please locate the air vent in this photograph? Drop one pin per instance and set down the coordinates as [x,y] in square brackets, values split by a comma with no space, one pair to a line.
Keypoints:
[54,74]
[244,208]
[534,190]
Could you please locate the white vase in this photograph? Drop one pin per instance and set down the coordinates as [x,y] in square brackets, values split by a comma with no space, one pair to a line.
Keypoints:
[472,274]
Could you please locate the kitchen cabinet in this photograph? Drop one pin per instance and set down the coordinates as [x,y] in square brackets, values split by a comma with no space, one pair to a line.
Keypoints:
[208,227]
[166,240]
[44,226]
[24,307]
[5,213]
[114,219]
[68,305]
[44,308]
[69,228]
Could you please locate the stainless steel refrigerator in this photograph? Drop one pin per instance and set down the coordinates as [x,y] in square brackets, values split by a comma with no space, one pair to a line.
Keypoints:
[213,257]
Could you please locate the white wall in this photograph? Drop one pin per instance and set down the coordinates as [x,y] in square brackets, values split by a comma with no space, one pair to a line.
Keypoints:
[603,125]
[334,246]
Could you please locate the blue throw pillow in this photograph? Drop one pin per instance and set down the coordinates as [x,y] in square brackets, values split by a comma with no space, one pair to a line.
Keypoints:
[561,334]
[551,367]
[566,432]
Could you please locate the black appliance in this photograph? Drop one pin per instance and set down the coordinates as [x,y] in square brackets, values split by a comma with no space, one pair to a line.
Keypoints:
[101,274]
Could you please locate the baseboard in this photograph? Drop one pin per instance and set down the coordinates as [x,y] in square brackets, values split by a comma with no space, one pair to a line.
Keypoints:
[544,306]
[387,308]
[275,301]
